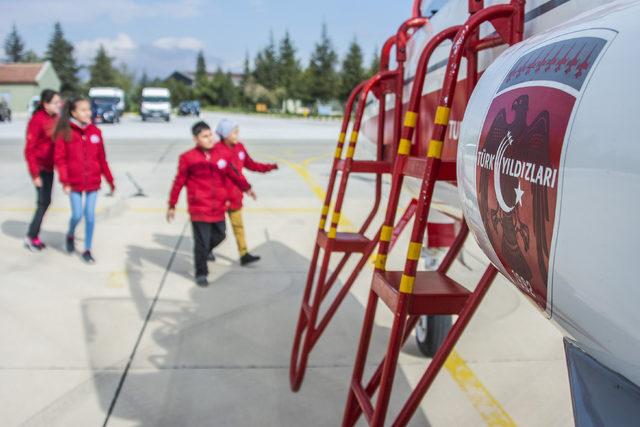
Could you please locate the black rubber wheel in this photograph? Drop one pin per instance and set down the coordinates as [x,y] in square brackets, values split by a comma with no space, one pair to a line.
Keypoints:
[431,332]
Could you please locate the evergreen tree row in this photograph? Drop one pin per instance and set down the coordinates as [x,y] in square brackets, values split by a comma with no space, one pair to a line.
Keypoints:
[275,75]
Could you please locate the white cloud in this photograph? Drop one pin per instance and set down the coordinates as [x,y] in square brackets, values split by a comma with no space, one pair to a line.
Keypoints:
[121,47]
[178,43]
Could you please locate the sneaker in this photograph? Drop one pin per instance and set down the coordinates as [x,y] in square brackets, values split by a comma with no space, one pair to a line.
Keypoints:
[202,281]
[211,257]
[39,244]
[247,259]
[30,244]
[88,258]
[70,245]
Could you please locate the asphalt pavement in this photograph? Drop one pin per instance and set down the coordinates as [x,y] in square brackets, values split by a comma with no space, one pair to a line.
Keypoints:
[131,341]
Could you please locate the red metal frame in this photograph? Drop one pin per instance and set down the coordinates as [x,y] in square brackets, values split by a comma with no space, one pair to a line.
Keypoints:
[309,329]
[410,293]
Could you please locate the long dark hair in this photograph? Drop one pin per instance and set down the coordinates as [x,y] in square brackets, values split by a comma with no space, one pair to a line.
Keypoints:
[63,127]
[46,96]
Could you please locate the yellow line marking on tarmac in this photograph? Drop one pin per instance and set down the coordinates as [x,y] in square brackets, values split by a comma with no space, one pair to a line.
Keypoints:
[488,407]
[302,169]
[117,279]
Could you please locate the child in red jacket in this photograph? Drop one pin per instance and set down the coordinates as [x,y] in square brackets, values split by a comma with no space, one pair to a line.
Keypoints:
[204,171]
[38,153]
[81,163]
[240,159]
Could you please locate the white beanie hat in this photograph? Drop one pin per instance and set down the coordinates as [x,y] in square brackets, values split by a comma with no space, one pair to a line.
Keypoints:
[226,127]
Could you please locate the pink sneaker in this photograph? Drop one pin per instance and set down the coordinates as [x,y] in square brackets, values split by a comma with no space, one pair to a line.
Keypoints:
[29,244]
[38,243]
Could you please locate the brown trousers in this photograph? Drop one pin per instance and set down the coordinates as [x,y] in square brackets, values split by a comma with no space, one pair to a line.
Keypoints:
[238,230]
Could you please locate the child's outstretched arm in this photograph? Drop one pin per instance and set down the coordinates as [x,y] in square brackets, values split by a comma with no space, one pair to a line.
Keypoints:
[254,166]
[178,183]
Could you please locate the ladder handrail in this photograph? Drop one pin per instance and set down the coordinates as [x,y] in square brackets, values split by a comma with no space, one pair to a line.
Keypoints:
[441,122]
[307,332]
[404,144]
[400,40]
[417,8]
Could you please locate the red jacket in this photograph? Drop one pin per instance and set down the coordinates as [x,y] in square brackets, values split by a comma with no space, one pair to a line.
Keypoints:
[205,174]
[81,162]
[38,151]
[240,159]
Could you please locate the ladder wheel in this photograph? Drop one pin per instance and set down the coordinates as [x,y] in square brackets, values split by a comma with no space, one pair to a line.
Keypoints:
[431,332]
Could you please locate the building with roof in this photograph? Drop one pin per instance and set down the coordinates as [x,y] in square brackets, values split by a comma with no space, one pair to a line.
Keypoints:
[19,82]
[189,77]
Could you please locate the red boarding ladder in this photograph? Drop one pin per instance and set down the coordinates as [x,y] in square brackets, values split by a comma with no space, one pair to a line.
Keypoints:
[309,329]
[410,294]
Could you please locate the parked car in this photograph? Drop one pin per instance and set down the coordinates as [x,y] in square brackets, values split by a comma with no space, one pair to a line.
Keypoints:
[5,111]
[113,94]
[189,108]
[156,103]
[105,111]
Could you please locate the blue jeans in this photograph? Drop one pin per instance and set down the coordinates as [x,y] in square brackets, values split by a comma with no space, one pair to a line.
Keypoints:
[89,215]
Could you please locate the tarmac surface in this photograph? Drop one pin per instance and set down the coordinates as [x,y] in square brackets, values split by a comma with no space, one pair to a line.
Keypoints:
[131,341]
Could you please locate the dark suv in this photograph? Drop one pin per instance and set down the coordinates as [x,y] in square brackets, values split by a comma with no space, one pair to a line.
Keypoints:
[105,110]
[189,108]
[5,111]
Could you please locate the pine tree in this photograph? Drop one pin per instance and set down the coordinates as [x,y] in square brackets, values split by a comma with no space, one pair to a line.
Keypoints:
[201,68]
[288,68]
[31,56]
[60,53]
[142,83]
[375,63]
[352,70]
[246,71]
[102,71]
[266,66]
[321,73]
[245,83]
[125,80]
[14,46]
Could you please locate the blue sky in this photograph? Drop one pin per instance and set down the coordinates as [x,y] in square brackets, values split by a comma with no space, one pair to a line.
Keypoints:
[160,36]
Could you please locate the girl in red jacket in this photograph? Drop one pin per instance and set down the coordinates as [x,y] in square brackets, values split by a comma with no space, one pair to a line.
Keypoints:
[204,172]
[228,132]
[81,163]
[38,152]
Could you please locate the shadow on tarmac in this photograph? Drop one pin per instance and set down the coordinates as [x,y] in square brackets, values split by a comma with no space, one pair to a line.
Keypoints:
[18,230]
[220,355]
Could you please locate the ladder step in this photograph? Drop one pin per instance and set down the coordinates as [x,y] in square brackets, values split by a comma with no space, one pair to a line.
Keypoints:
[433,292]
[363,400]
[366,166]
[344,242]
[415,167]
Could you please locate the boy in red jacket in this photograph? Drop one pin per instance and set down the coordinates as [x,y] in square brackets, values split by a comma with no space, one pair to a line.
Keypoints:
[204,171]
[240,159]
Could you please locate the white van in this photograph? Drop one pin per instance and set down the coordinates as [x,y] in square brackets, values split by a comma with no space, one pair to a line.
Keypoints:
[110,95]
[156,102]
